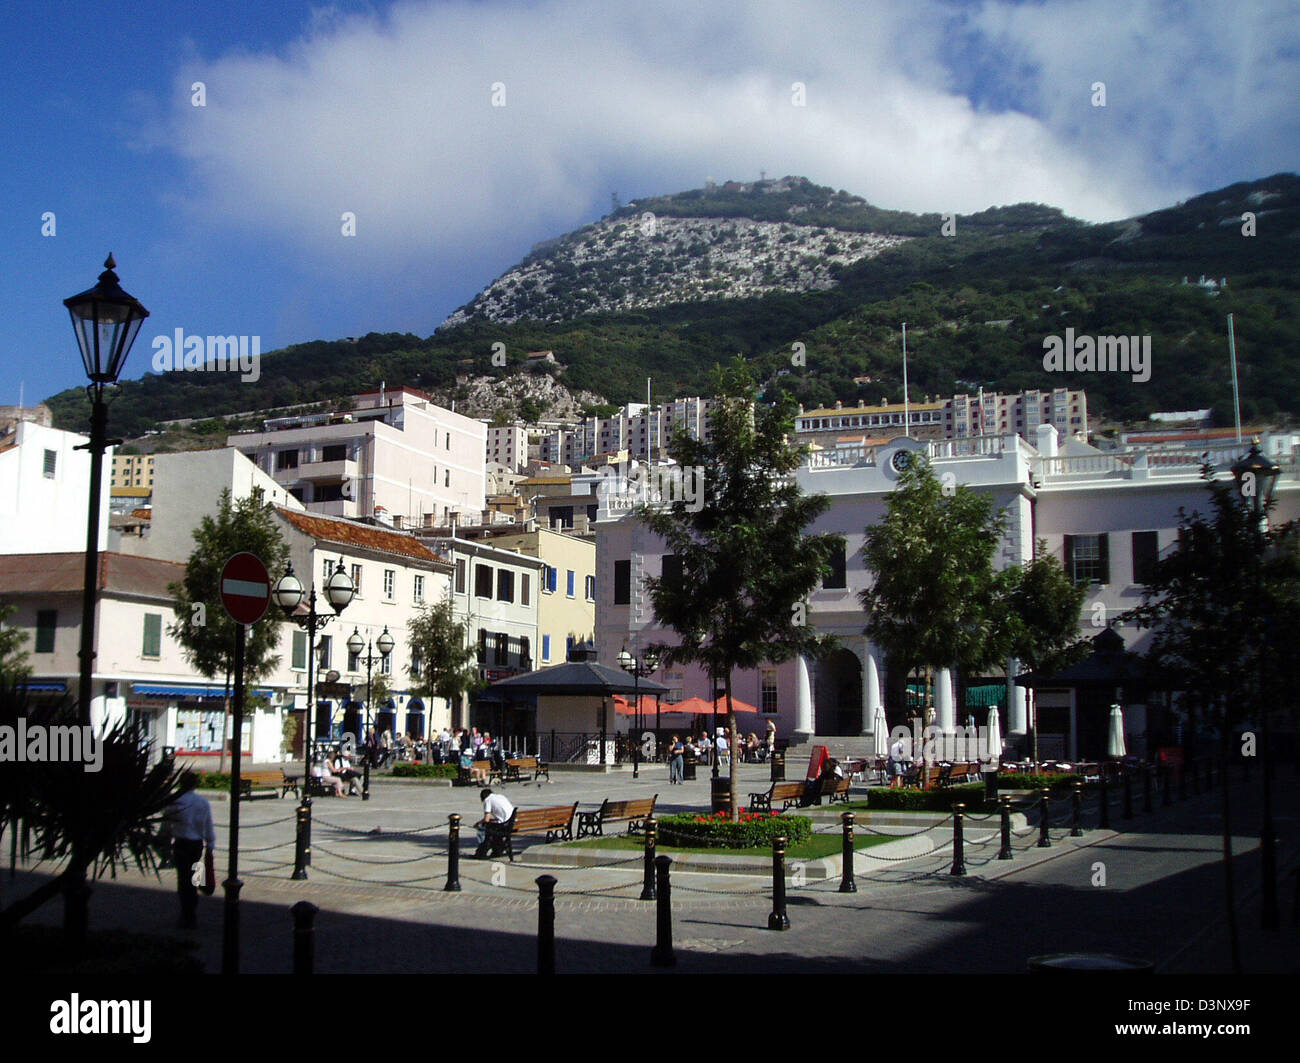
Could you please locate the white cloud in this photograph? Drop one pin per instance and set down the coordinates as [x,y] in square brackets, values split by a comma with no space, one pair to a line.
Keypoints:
[390,116]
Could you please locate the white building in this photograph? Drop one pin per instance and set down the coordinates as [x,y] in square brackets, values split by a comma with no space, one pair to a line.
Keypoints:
[45,491]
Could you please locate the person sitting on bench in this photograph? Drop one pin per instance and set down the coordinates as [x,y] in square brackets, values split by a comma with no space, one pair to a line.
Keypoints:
[813,787]
[322,772]
[496,809]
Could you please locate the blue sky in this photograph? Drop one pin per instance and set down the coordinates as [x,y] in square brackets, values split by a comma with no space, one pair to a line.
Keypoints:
[227,218]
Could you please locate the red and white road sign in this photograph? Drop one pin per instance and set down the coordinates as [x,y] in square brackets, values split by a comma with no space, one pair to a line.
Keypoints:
[245,588]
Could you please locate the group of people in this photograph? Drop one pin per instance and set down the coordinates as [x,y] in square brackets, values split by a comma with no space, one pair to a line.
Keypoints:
[751,748]
[336,770]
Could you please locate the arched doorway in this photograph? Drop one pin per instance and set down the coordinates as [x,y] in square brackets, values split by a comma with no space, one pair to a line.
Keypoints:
[838,702]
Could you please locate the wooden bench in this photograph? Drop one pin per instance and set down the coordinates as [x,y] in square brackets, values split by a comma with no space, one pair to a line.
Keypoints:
[555,822]
[266,782]
[635,812]
[960,773]
[835,789]
[788,793]
[515,767]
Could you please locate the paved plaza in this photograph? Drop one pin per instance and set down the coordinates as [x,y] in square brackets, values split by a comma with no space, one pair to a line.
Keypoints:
[1149,887]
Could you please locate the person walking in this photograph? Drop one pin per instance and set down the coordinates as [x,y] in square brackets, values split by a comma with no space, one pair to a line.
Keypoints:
[189,818]
[676,761]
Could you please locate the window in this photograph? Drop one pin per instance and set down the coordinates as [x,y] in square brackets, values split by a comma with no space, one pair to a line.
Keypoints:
[51,463]
[334,452]
[300,650]
[591,513]
[390,579]
[568,648]
[354,661]
[548,580]
[591,588]
[525,583]
[483,581]
[546,647]
[482,645]
[446,477]
[1145,552]
[501,651]
[525,660]
[328,493]
[152,646]
[571,583]
[837,577]
[767,691]
[416,664]
[417,590]
[386,665]
[505,585]
[460,576]
[286,459]
[448,440]
[323,647]
[46,621]
[671,571]
[1087,558]
[356,580]
[622,582]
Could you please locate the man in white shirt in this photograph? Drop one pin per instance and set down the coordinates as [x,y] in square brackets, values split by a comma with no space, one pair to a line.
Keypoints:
[189,819]
[496,809]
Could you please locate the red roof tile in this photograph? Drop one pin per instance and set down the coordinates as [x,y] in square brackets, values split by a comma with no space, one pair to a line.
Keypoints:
[350,533]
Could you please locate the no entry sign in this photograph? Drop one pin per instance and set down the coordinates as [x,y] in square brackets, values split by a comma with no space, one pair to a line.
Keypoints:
[245,588]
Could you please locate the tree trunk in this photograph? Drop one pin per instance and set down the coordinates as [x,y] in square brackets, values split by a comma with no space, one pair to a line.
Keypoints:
[731,747]
[1229,893]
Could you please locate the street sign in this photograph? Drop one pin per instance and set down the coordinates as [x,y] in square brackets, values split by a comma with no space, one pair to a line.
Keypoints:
[245,588]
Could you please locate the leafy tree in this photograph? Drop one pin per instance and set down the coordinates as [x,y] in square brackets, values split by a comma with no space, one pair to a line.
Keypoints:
[13,658]
[203,628]
[439,646]
[931,599]
[746,563]
[1223,604]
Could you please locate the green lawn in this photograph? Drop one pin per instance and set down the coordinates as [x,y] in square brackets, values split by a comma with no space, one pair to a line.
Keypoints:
[816,847]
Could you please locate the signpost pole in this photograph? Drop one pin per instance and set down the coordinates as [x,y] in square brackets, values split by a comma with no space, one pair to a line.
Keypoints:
[230,930]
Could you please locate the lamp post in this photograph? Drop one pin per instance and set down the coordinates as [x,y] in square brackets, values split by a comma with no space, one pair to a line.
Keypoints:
[355,645]
[646,666]
[106,320]
[1256,477]
[288,594]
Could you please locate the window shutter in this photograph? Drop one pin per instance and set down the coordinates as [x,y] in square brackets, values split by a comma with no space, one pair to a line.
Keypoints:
[1103,558]
[1069,558]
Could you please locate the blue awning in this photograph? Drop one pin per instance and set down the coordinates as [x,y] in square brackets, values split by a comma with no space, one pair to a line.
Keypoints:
[160,690]
[53,686]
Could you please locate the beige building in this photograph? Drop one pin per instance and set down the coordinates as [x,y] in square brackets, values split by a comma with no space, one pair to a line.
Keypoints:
[132,470]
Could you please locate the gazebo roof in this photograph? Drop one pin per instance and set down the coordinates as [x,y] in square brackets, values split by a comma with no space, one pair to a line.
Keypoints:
[1109,665]
[580,678]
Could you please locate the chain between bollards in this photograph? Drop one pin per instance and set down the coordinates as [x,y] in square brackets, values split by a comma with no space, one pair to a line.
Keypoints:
[546,924]
[1044,842]
[453,854]
[847,883]
[779,919]
[958,841]
[304,937]
[662,953]
[302,840]
[648,875]
[1005,809]
[1076,809]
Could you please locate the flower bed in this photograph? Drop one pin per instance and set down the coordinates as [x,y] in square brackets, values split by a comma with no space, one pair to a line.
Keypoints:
[747,831]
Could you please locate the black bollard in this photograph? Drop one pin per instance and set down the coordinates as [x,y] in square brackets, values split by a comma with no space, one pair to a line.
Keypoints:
[847,883]
[662,954]
[230,928]
[779,919]
[958,842]
[648,878]
[1166,798]
[1103,815]
[1146,787]
[1076,809]
[453,855]
[1005,852]
[302,841]
[1128,793]
[546,924]
[304,937]
[1044,842]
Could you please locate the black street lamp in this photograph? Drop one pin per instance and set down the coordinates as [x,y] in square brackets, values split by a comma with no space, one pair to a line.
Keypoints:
[1256,477]
[106,320]
[645,667]
[355,645]
[288,594]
